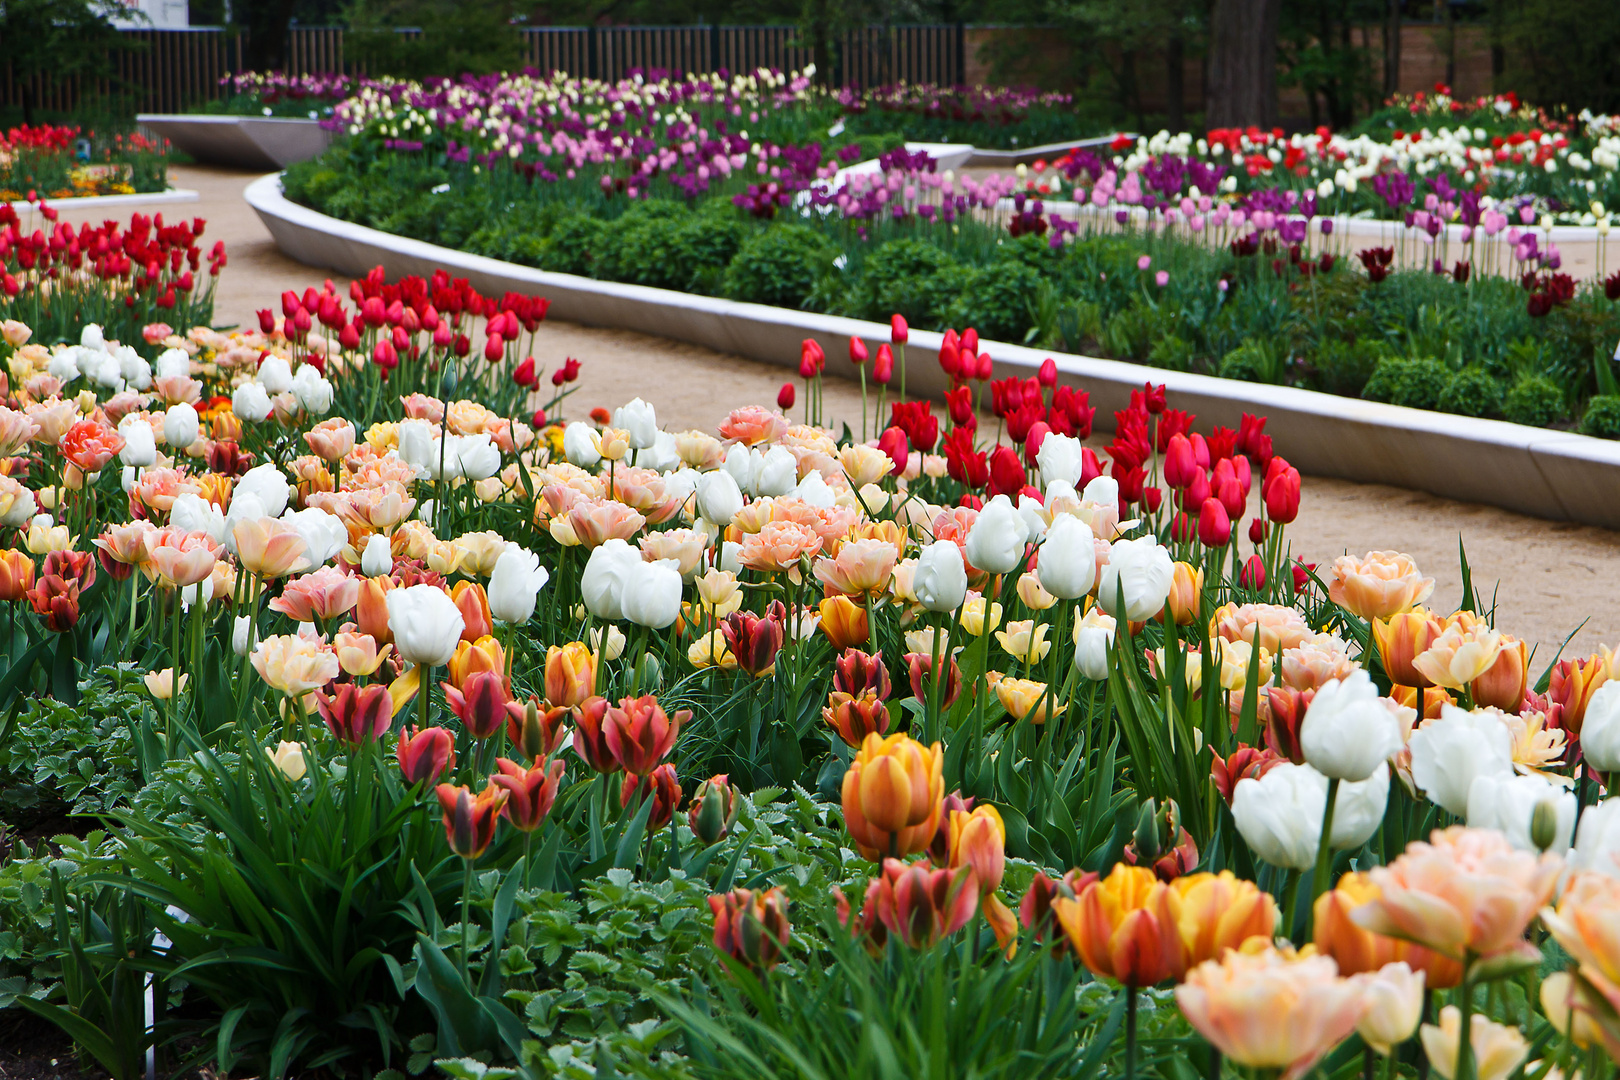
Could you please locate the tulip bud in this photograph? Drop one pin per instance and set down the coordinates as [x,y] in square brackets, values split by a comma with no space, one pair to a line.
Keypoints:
[857,351]
[785,397]
[899,332]
[1146,838]
[1544,824]
[1048,373]
[751,927]
[714,809]
[883,365]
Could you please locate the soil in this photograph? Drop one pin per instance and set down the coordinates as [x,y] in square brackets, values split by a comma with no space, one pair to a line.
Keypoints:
[1555,578]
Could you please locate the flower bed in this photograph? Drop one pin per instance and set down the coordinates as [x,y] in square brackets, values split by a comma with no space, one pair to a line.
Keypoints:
[58,162]
[310,96]
[425,726]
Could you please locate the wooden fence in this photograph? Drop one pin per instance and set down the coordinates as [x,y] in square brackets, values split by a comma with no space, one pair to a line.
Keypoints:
[171,70]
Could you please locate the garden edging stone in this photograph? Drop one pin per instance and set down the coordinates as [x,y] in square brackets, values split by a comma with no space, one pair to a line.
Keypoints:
[1546,473]
[245,142]
[139,198]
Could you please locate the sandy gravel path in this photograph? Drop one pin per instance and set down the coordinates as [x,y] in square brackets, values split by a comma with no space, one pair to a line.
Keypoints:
[1552,575]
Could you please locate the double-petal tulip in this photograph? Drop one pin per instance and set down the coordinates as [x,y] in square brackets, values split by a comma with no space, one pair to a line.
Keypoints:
[639,734]
[1382,584]
[1126,927]
[1222,911]
[294,664]
[570,675]
[269,548]
[893,795]
[1359,950]
[530,792]
[1497,1048]
[469,820]
[751,927]
[1587,924]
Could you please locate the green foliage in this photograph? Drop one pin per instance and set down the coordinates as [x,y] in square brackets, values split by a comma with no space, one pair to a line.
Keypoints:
[779,266]
[1602,417]
[998,300]
[910,277]
[1534,400]
[1253,361]
[55,41]
[1471,392]
[83,756]
[455,38]
[1415,382]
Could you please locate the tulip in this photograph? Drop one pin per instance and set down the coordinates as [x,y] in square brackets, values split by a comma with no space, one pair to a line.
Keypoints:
[1186,593]
[1068,559]
[530,792]
[570,674]
[1268,1011]
[288,758]
[1564,1003]
[1281,493]
[471,657]
[355,715]
[978,839]
[639,734]
[16,575]
[1020,697]
[1137,578]
[590,737]
[921,905]
[661,786]
[753,640]
[269,548]
[940,581]
[1384,583]
[1584,924]
[995,541]
[1126,927]
[1358,950]
[854,718]
[1094,644]
[1035,909]
[1600,728]
[1401,639]
[1497,1049]
[377,560]
[536,731]
[1460,655]
[892,795]
[607,573]
[843,622]
[425,624]
[1573,682]
[469,820]
[1347,732]
[714,809]
[514,585]
[293,664]
[479,703]
[1214,526]
[1450,753]
[1510,805]
[652,593]
[1503,684]
[1393,999]
[1220,912]
[160,684]
[1280,814]
[923,665]
[861,568]
[1466,892]
[751,926]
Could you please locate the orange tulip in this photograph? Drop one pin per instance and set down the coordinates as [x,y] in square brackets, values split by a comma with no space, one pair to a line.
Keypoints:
[855,718]
[1504,682]
[979,840]
[844,622]
[469,820]
[1358,950]
[1126,927]
[1466,891]
[531,791]
[893,796]
[1220,912]
[371,610]
[485,654]
[1403,638]
[751,927]
[1186,593]
[570,674]
[1434,699]
[1574,681]
[16,575]
[473,603]
[1384,583]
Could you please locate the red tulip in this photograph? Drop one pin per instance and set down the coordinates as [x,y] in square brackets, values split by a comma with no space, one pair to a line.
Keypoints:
[661,785]
[356,714]
[524,374]
[883,365]
[921,665]
[469,820]
[1257,531]
[1047,375]
[530,792]
[855,672]
[425,754]
[480,703]
[899,332]
[754,640]
[1214,527]
[1254,573]
[640,734]
[535,730]
[857,351]
[590,739]
[785,397]
[811,359]
[894,443]
[751,927]
[1179,462]
[267,321]
[1281,493]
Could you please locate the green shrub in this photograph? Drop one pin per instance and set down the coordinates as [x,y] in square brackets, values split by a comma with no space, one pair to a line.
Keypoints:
[1253,361]
[1343,367]
[1602,417]
[1415,382]
[998,301]
[574,245]
[1534,400]
[1172,352]
[910,277]
[779,266]
[1472,392]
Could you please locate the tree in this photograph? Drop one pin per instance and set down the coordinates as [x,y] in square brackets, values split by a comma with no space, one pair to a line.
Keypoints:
[49,42]
[1243,63]
[265,24]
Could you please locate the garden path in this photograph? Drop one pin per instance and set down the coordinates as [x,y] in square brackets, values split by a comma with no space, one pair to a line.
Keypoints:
[1552,575]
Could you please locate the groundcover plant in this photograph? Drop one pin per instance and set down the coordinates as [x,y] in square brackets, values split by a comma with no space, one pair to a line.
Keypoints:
[411,727]
[1230,254]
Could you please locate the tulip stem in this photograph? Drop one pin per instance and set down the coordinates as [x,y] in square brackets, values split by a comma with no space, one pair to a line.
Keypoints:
[931,725]
[1130,1033]
[1465,1045]
[1324,849]
[466,916]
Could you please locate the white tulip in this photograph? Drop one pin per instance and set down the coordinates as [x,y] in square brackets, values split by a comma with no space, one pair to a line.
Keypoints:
[515,584]
[324,534]
[996,541]
[1449,753]
[1103,490]
[718,496]
[378,557]
[192,513]
[241,627]
[680,484]
[181,425]
[1280,814]
[266,484]
[743,466]
[778,472]
[940,580]
[1348,732]
[140,446]
[730,557]
[813,490]
[1067,562]
[477,457]
[250,402]
[602,585]
[418,447]
[134,368]
[275,375]
[426,624]
[1507,804]
[638,419]
[1600,731]
[1094,644]
[1060,458]
[652,593]
[313,390]
[64,365]
[580,445]
[1034,515]
[1597,840]
[1137,577]
[172,362]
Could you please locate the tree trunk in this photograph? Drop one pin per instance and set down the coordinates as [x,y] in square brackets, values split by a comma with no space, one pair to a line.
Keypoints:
[266,23]
[1176,83]
[1392,49]
[1243,64]
[818,16]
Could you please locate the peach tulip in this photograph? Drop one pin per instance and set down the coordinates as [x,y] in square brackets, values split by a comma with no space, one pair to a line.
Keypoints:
[180,558]
[1497,1048]
[294,664]
[269,548]
[1459,656]
[331,440]
[597,520]
[1222,911]
[1401,639]
[1465,893]
[893,796]
[751,425]
[861,567]
[326,594]
[1267,1010]
[779,545]
[358,653]
[1278,627]
[1359,950]
[1587,924]
[1126,927]
[1382,584]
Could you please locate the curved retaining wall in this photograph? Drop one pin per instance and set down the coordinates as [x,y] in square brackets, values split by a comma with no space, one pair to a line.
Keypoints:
[1550,474]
